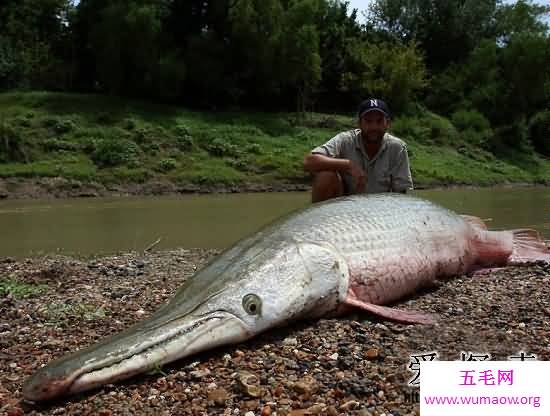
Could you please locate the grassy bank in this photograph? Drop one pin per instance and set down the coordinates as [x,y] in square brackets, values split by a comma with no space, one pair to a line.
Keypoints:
[115,141]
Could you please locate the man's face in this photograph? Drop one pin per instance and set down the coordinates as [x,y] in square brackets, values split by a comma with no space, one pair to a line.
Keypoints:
[373,125]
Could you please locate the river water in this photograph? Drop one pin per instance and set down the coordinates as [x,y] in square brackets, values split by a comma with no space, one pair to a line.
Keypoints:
[86,227]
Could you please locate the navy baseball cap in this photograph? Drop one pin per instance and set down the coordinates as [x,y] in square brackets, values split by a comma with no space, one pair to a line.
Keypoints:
[373,104]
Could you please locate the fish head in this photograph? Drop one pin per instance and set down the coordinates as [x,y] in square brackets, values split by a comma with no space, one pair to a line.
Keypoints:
[280,285]
[238,295]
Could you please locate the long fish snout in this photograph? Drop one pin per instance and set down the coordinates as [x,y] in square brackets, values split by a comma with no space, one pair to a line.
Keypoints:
[147,345]
[218,306]
[42,387]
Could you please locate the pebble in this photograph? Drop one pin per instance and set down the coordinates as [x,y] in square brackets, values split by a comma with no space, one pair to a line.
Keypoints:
[248,384]
[218,396]
[371,354]
[199,374]
[326,367]
[290,342]
[350,405]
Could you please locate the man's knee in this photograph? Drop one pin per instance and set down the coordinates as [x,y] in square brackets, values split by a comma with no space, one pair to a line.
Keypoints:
[326,185]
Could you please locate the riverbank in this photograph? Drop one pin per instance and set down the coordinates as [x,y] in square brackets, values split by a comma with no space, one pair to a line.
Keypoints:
[356,365]
[53,188]
[84,145]
[46,188]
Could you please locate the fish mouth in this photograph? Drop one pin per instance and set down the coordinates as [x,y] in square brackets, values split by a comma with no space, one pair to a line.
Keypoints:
[140,348]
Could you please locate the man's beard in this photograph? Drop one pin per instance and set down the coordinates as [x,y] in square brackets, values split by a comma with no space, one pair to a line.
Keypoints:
[373,138]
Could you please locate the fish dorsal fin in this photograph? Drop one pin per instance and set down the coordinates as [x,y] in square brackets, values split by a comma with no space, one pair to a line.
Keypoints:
[399,315]
[474,221]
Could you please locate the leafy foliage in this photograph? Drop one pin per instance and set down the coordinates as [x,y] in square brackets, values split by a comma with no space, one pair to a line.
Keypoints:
[470,56]
[113,152]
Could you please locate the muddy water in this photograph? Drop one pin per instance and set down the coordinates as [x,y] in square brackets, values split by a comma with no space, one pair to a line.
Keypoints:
[99,226]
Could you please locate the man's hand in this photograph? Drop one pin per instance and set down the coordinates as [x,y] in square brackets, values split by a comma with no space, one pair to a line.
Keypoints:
[359,176]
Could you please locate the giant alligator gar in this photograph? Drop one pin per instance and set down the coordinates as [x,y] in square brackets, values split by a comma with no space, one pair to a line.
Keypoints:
[359,251]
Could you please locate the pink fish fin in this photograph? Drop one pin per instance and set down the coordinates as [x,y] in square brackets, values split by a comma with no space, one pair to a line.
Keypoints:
[528,247]
[474,221]
[486,272]
[399,315]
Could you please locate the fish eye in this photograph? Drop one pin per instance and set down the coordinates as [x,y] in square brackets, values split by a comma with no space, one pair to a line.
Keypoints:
[252,304]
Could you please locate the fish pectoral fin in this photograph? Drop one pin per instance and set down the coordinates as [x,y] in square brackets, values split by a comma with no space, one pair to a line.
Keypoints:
[399,315]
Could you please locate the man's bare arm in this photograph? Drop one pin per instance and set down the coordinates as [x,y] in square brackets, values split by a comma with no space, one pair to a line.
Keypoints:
[315,162]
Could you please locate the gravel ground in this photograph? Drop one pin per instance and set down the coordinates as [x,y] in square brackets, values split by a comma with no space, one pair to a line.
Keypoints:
[352,365]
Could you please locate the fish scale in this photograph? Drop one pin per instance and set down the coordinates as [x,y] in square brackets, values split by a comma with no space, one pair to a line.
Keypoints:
[352,252]
[391,248]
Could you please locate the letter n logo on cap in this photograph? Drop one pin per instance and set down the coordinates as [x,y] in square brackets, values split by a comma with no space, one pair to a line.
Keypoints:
[374,103]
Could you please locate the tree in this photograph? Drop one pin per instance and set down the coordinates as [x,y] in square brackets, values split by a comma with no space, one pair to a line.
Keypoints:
[338,28]
[32,41]
[300,60]
[256,41]
[447,30]
[393,72]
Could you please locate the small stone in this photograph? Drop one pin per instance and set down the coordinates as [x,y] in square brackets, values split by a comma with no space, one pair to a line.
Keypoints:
[290,342]
[331,411]
[372,354]
[521,325]
[218,396]
[266,411]
[249,414]
[307,385]
[248,384]
[316,409]
[350,405]
[334,356]
[198,374]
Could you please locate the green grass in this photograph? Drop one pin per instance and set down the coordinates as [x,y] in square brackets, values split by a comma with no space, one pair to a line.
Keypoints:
[115,141]
[18,289]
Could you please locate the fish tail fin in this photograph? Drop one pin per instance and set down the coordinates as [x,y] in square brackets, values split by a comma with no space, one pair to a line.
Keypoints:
[528,247]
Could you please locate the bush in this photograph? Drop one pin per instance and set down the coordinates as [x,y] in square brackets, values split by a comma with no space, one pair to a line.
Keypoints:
[220,148]
[59,126]
[12,144]
[441,129]
[142,135]
[514,136]
[129,124]
[184,143]
[166,165]
[113,152]
[413,128]
[54,145]
[181,130]
[254,148]
[539,132]
[474,126]
[105,117]
[239,164]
